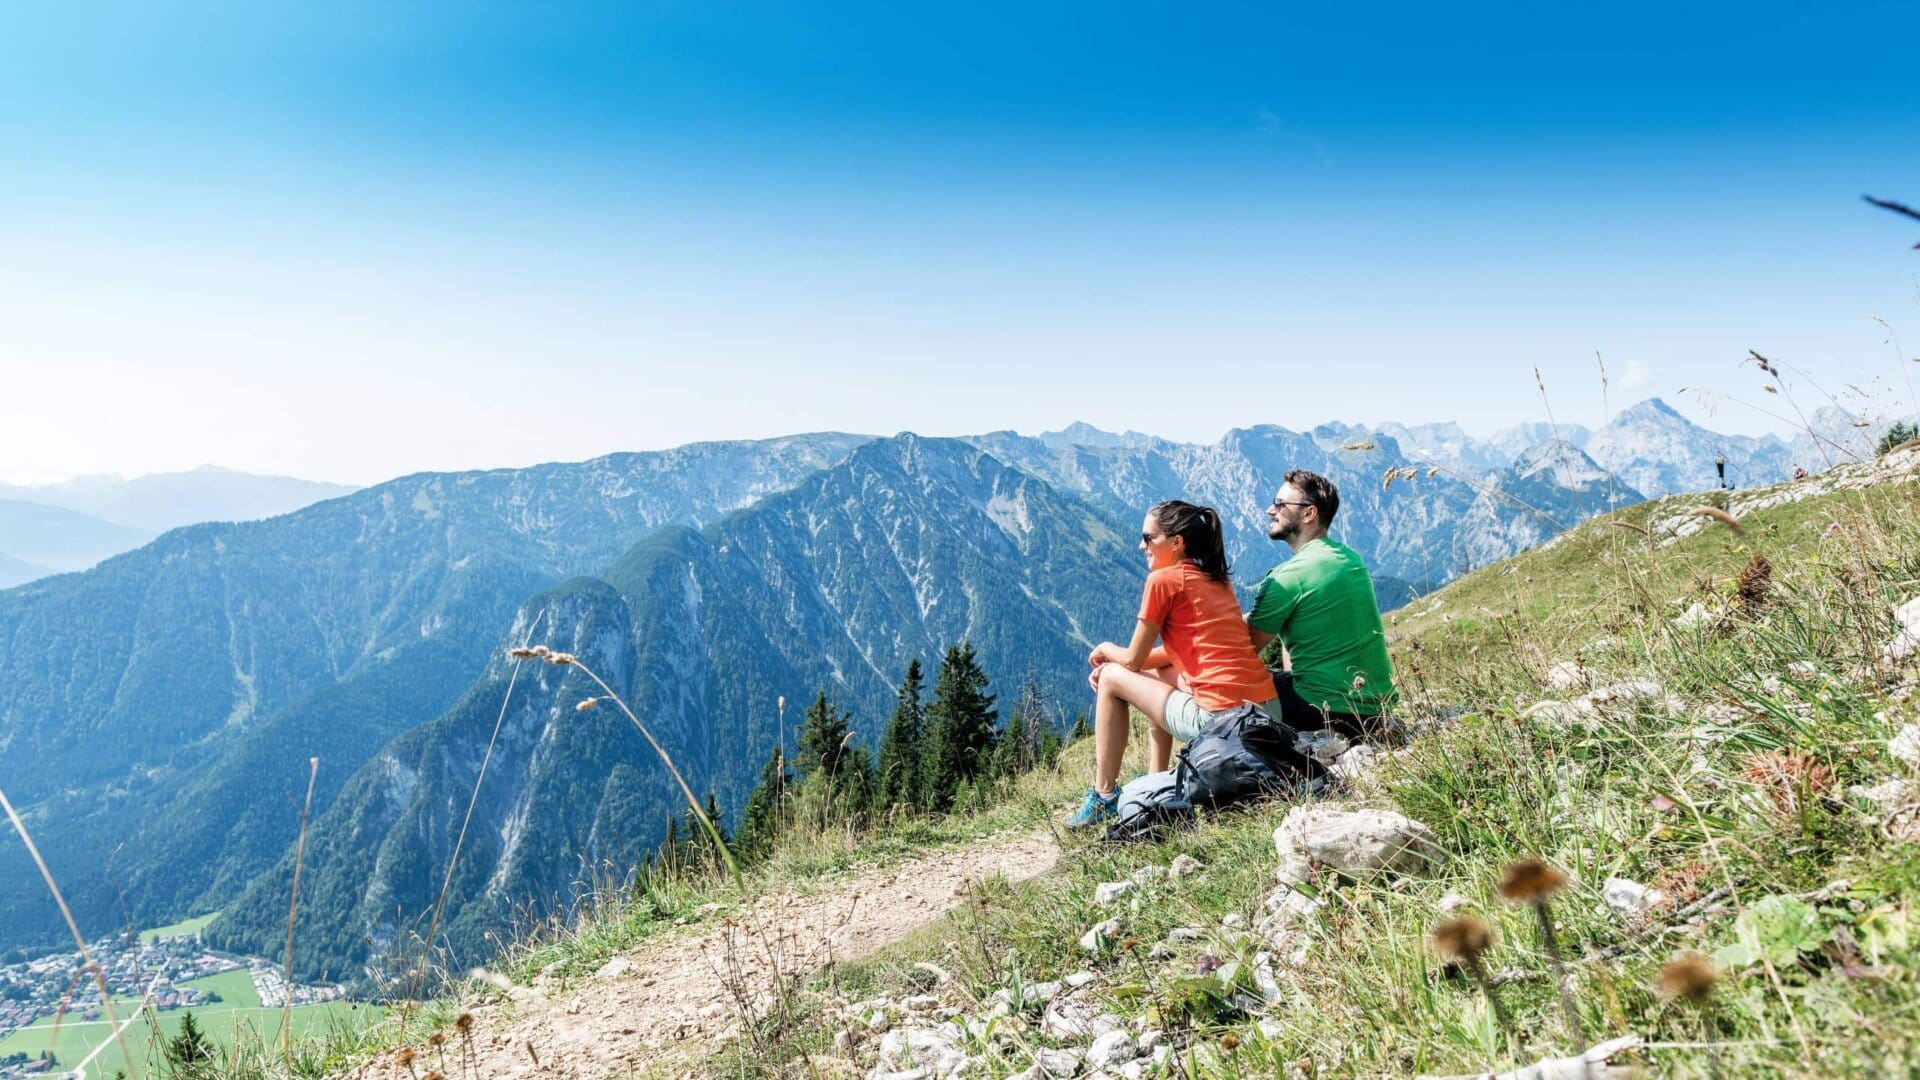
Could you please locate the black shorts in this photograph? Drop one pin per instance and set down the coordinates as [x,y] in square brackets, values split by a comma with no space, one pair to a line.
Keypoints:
[1297,713]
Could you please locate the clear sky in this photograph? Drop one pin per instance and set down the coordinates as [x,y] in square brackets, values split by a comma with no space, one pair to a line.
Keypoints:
[349,241]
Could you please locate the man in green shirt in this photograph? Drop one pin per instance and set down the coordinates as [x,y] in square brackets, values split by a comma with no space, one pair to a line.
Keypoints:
[1320,604]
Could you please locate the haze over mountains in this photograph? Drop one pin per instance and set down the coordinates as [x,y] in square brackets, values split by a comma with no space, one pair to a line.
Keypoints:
[169,698]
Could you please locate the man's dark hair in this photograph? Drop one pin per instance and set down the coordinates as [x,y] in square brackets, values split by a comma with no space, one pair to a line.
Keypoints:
[1317,490]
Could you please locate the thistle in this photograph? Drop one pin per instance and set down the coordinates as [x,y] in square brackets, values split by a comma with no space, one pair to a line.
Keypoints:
[1690,977]
[1464,940]
[1533,882]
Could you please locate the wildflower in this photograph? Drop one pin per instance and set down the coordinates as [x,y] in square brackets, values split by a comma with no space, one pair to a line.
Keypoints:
[1229,1042]
[404,1056]
[1690,976]
[438,1038]
[463,1023]
[1531,881]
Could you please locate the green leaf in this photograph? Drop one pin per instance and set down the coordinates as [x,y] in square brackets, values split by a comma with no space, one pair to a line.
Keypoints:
[1778,928]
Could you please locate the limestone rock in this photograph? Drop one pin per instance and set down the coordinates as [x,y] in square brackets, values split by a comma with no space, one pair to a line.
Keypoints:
[1114,1048]
[1567,675]
[1352,843]
[1057,1062]
[1110,891]
[1630,897]
[1149,874]
[1183,865]
[1100,936]
[1905,744]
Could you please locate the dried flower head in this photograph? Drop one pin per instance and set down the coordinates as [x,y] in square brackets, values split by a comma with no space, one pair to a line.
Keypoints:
[1789,777]
[404,1056]
[1130,944]
[1358,446]
[1464,938]
[542,651]
[521,652]
[433,1074]
[1229,1042]
[586,704]
[1690,976]
[559,659]
[438,1038]
[1531,881]
[463,1023]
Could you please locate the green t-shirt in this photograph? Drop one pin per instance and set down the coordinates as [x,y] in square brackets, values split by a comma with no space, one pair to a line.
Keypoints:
[1320,605]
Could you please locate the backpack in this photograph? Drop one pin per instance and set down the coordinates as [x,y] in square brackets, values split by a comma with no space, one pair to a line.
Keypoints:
[1243,754]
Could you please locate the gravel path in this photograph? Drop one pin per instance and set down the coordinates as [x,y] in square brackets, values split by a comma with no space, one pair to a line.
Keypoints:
[668,1002]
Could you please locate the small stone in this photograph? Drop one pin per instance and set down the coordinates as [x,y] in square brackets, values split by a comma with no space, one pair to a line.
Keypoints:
[1102,934]
[1184,865]
[1041,992]
[1451,903]
[1905,744]
[1079,979]
[1149,1039]
[1108,892]
[1269,1029]
[1357,762]
[1115,1047]
[1891,796]
[1233,920]
[921,1003]
[1110,1024]
[1566,675]
[615,968]
[1148,874]
[1630,897]
[878,1022]
[1186,933]
[842,1041]
[1056,1062]
[1352,843]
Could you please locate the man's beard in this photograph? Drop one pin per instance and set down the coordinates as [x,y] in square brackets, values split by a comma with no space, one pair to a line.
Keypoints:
[1283,533]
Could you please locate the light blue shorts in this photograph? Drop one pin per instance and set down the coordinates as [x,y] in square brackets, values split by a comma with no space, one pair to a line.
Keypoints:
[1185,717]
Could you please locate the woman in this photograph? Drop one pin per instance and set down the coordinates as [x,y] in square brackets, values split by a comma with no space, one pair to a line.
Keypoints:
[1206,664]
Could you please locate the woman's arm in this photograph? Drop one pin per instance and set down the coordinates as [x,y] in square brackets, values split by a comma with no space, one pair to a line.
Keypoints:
[1137,652]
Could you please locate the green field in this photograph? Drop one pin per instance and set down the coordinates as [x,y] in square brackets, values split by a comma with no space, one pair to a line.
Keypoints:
[184,926]
[237,1016]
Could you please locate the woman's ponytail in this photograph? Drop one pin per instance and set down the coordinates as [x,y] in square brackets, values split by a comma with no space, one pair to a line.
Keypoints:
[1199,526]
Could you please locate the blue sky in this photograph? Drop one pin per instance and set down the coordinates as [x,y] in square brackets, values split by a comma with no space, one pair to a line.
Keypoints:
[352,241]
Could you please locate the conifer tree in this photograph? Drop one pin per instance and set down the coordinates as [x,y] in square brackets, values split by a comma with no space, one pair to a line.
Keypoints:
[960,727]
[1012,755]
[764,817]
[900,749]
[188,1051]
[1080,729]
[823,738]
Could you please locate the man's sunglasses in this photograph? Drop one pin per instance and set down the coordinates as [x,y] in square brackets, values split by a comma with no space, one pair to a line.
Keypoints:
[1278,503]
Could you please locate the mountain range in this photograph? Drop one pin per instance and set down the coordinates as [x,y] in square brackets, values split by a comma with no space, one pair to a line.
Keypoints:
[163,705]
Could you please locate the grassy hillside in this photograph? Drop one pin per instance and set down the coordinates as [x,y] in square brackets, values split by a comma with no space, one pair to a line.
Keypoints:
[1639,701]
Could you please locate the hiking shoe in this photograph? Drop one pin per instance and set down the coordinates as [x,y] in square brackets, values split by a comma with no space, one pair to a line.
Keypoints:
[1096,809]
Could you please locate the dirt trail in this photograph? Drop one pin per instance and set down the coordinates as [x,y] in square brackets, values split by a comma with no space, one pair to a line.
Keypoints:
[666,1002]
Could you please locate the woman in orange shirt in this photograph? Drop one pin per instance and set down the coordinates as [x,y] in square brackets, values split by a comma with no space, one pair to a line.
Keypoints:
[1204,665]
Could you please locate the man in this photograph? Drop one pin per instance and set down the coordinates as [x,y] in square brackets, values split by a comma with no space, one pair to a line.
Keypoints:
[1321,607]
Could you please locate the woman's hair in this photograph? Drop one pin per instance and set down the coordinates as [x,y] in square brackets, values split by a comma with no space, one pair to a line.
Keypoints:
[1199,526]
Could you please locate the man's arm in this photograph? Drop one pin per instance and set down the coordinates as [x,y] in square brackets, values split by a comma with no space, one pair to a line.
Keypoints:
[1272,606]
[1260,637]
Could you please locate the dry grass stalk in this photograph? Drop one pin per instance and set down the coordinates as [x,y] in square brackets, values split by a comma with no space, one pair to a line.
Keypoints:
[79,941]
[1718,515]
[293,904]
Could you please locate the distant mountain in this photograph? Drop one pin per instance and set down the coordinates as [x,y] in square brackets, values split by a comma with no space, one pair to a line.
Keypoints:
[1655,449]
[168,697]
[907,546]
[1837,435]
[1549,489]
[162,501]
[1080,433]
[15,571]
[49,540]
[1510,443]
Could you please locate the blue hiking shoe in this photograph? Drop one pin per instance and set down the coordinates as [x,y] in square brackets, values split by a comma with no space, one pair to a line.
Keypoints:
[1096,809]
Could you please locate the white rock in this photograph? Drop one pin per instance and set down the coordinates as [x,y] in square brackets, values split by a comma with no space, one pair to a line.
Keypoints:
[1079,979]
[1264,978]
[934,1049]
[1111,1049]
[1186,933]
[1149,1039]
[1566,675]
[1108,1022]
[1100,936]
[1031,1072]
[1107,892]
[1352,842]
[921,1003]
[878,1022]
[1630,897]
[1069,1018]
[1452,902]
[1322,745]
[1133,1070]
[842,1041]
[1905,744]
[1149,873]
[1891,796]
[1694,618]
[1908,614]
[1041,992]
[1357,762]
[1233,920]
[615,968]
[903,1074]
[1057,1062]
[1269,1029]
[1803,669]
[1183,865]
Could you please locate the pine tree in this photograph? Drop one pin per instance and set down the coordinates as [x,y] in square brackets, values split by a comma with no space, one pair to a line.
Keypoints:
[1012,756]
[1900,432]
[188,1051]
[764,817]
[823,738]
[900,749]
[1080,729]
[960,727]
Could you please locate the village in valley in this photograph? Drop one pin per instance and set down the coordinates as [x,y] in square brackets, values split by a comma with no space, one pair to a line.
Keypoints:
[152,971]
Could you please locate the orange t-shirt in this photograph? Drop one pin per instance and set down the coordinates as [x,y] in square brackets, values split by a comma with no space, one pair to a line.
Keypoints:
[1201,626]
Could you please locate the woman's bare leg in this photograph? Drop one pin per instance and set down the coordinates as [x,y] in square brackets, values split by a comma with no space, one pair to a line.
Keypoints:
[1118,689]
[1160,740]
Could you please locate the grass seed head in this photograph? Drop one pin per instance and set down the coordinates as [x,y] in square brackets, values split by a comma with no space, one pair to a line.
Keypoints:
[521,652]
[404,1056]
[1531,881]
[463,1023]
[559,659]
[1464,938]
[1718,515]
[438,1038]
[1690,976]
[586,704]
